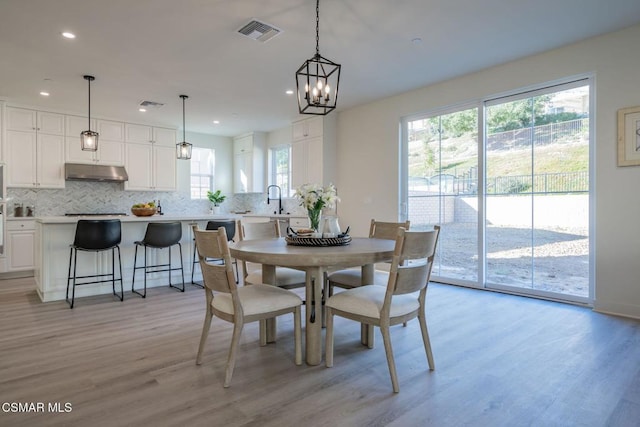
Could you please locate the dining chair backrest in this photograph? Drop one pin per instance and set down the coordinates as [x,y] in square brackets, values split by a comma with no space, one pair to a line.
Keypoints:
[386,230]
[259,230]
[412,261]
[213,244]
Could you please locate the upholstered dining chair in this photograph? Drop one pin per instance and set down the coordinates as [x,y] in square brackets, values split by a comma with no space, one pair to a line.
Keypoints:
[401,300]
[287,278]
[238,304]
[352,277]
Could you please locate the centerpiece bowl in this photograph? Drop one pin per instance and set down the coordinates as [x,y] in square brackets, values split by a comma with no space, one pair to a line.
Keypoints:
[144,211]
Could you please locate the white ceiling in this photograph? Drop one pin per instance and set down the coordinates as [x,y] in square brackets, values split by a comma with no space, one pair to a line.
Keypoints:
[158,49]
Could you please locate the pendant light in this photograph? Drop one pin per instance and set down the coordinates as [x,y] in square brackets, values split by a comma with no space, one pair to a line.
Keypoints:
[89,138]
[317,80]
[183,149]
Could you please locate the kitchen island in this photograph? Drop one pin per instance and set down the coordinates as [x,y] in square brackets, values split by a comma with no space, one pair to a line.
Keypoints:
[55,234]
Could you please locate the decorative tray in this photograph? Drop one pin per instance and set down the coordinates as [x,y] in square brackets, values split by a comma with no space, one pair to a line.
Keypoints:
[318,241]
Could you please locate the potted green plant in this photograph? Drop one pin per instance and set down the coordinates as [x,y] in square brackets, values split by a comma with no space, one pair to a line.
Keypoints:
[216,198]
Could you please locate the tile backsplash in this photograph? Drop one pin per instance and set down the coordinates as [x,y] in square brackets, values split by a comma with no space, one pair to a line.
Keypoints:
[90,197]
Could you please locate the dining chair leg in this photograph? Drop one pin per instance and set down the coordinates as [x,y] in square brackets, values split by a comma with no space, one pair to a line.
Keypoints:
[425,339]
[328,358]
[386,337]
[205,333]
[233,349]
[297,327]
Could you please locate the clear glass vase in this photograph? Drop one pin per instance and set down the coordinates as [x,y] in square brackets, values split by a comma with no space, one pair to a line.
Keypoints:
[314,219]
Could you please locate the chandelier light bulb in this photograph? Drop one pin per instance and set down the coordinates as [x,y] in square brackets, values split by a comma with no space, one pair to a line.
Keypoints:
[319,85]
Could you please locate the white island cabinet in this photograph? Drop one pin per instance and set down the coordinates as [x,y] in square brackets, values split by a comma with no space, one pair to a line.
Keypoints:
[55,234]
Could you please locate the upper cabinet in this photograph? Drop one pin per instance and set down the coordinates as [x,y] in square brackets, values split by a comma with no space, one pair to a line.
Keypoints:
[150,158]
[110,142]
[313,151]
[248,162]
[150,135]
[34,148]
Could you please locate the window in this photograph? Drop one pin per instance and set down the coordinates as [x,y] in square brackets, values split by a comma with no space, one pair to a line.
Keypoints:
[202,162]
[281,169]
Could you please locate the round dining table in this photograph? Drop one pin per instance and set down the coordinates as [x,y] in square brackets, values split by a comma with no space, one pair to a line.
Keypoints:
[315,261]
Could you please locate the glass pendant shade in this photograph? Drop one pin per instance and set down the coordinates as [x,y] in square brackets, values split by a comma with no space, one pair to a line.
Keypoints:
[317,80]
[183,149]
[89,138]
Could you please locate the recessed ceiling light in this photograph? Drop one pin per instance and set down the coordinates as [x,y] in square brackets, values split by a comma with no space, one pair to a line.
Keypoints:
[44,93]
[142,110]
[68,35]
[216,122]
[416,41]
[289,92]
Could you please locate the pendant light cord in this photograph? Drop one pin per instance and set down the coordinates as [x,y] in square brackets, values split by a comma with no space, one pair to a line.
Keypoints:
[89,115]
[184,137]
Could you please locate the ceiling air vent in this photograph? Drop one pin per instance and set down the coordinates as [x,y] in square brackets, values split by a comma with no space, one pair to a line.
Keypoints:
[150,104]
[260,31]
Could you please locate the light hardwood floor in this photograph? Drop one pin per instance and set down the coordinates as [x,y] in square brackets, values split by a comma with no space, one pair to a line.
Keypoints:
[500,360]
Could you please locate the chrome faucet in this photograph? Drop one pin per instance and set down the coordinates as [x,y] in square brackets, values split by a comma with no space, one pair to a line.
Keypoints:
[279,199]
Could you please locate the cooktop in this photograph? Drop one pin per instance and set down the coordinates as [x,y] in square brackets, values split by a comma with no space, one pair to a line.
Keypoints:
[97,214]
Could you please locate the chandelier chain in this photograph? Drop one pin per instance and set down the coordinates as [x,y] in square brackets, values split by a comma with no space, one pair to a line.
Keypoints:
[317,27]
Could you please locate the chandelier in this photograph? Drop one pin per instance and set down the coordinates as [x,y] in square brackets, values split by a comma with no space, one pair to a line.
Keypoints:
[317,80]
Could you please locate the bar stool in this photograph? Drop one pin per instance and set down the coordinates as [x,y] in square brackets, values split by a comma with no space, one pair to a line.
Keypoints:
[159,235]
[230,228]
[95,236]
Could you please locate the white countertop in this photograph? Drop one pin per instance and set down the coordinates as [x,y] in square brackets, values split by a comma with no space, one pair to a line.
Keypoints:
[132,218]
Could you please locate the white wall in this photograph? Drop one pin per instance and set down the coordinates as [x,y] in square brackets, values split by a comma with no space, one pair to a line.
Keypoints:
[223,147]
[368,150]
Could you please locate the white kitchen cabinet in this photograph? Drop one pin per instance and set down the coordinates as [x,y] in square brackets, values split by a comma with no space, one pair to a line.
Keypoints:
[34,149]
[20,244]
[111,148]
[313,151]
[248,162]
[150,167]
[143,134]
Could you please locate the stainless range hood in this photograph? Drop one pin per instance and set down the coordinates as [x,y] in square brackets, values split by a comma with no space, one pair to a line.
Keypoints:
[82,172]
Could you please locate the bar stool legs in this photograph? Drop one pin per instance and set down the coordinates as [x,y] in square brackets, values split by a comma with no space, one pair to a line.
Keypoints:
[157,268]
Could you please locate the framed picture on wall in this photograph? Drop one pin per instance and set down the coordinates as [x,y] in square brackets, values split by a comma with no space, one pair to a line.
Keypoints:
[629,136]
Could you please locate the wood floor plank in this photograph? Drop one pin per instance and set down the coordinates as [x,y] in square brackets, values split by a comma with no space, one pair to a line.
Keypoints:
[501,360]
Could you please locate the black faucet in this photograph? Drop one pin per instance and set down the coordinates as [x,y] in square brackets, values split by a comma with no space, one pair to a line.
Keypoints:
[279,199]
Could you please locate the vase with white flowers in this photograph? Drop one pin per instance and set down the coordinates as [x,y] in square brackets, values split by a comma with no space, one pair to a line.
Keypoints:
[314,198]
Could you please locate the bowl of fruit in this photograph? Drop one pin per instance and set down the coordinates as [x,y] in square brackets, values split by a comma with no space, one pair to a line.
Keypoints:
[144,209]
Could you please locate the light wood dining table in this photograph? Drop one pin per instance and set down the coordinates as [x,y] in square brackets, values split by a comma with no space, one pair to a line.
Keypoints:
[315,261]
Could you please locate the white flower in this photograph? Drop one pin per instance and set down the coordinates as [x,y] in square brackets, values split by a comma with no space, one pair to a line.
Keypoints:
[314,197]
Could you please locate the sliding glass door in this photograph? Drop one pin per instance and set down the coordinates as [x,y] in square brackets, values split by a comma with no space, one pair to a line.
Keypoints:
[514,208]
[537,191]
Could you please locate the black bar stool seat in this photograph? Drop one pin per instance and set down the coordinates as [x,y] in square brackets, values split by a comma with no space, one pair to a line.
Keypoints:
[95,236]
[230,228]
[159,235]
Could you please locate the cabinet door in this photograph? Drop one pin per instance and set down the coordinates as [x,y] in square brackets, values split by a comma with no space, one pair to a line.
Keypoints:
[21,256]
[21,119]
[50,123]
[73,153]
[112,131]
[138,164]
[243,144]
[243,172]
[298,164]
[138,133]
[165,137]
[314,160]
[21,159]
[164,166]
[110,153]
[50,161]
